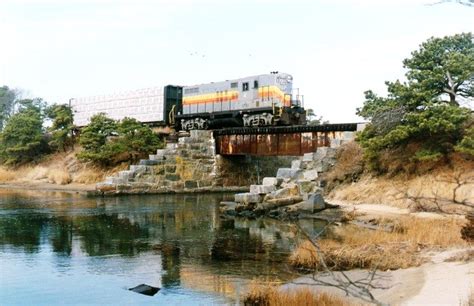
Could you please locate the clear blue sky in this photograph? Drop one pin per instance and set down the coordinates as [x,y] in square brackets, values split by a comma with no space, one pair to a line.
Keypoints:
[335,50]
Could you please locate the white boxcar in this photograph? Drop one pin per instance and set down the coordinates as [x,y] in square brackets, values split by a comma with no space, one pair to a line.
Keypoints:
[145,105]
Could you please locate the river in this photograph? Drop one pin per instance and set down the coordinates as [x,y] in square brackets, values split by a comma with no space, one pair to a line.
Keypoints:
[63,248]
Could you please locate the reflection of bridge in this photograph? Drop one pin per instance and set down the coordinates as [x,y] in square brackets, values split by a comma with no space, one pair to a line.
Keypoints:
[282,140]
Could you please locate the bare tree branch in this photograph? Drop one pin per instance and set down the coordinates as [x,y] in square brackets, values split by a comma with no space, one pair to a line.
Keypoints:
[462,2]
[356,288]
[459,179]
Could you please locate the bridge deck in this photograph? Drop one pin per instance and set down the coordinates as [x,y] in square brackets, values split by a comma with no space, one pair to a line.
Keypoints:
[278,141]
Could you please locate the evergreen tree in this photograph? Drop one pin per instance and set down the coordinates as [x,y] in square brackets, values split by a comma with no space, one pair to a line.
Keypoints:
[7,104]
[22,138]
[93,139]
[62,136]
[426,109]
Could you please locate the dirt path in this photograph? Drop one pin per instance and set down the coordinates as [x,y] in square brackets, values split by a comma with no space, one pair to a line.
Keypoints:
[381,210]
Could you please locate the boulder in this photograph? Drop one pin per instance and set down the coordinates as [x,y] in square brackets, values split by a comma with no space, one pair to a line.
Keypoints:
[137,169]
[314,203]
[119,180]
[323,166]
[275,203]
[307,186]
[296,164]
[201,134]
[310,175]
[287,173]
[272,181]
[323,152]
[247,198]
[262,189]
[287,191]
[308,157]
[126,175]
[171,146]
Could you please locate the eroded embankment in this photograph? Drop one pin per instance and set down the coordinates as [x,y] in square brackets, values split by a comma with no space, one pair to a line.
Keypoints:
[443,186]
[61,171]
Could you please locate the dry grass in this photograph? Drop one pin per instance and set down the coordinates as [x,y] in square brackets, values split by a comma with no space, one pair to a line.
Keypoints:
[88,176]
[353,247]
[60,169]
[59,177]
[6,175]
[270,295]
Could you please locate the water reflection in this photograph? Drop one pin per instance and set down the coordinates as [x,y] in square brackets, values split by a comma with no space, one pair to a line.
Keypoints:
[177,242]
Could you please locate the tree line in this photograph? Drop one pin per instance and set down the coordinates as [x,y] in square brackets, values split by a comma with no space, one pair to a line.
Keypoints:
[30,129]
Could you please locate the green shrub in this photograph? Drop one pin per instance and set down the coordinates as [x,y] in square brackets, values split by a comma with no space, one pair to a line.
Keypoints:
[107,142]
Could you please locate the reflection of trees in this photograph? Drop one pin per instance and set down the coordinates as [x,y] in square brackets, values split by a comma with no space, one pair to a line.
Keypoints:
[22,231]
[109,234]
[236,244]
[61,235]
[185,230]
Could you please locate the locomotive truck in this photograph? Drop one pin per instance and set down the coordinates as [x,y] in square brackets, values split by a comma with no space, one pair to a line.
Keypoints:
[261,100]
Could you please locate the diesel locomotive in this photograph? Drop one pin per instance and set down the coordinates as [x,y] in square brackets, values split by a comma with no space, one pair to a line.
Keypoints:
[261,100]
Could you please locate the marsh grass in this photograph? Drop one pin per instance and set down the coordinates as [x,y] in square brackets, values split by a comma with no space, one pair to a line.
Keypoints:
[271,295]
[351,247]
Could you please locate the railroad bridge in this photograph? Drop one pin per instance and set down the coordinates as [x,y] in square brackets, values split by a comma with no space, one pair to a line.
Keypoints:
[225,160]
[282,140]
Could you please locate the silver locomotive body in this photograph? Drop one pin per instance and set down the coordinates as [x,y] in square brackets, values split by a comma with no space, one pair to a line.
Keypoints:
[260,100]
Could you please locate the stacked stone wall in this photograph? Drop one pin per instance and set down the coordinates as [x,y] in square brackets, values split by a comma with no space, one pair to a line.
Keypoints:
[191,165]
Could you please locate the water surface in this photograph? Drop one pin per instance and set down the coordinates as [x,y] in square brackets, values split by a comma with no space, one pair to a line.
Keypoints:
[60,248]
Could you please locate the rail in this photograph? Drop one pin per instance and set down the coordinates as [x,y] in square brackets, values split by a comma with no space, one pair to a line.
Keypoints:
[334,127]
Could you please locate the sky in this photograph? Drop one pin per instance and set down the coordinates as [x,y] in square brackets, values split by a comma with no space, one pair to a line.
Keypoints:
[335,50]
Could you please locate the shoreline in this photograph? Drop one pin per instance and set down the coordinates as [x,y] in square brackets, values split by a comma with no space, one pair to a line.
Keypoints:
[92,191]
[422,285]
[69,188]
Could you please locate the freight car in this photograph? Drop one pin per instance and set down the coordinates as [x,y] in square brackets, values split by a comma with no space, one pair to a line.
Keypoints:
[149,105]
[260,100]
